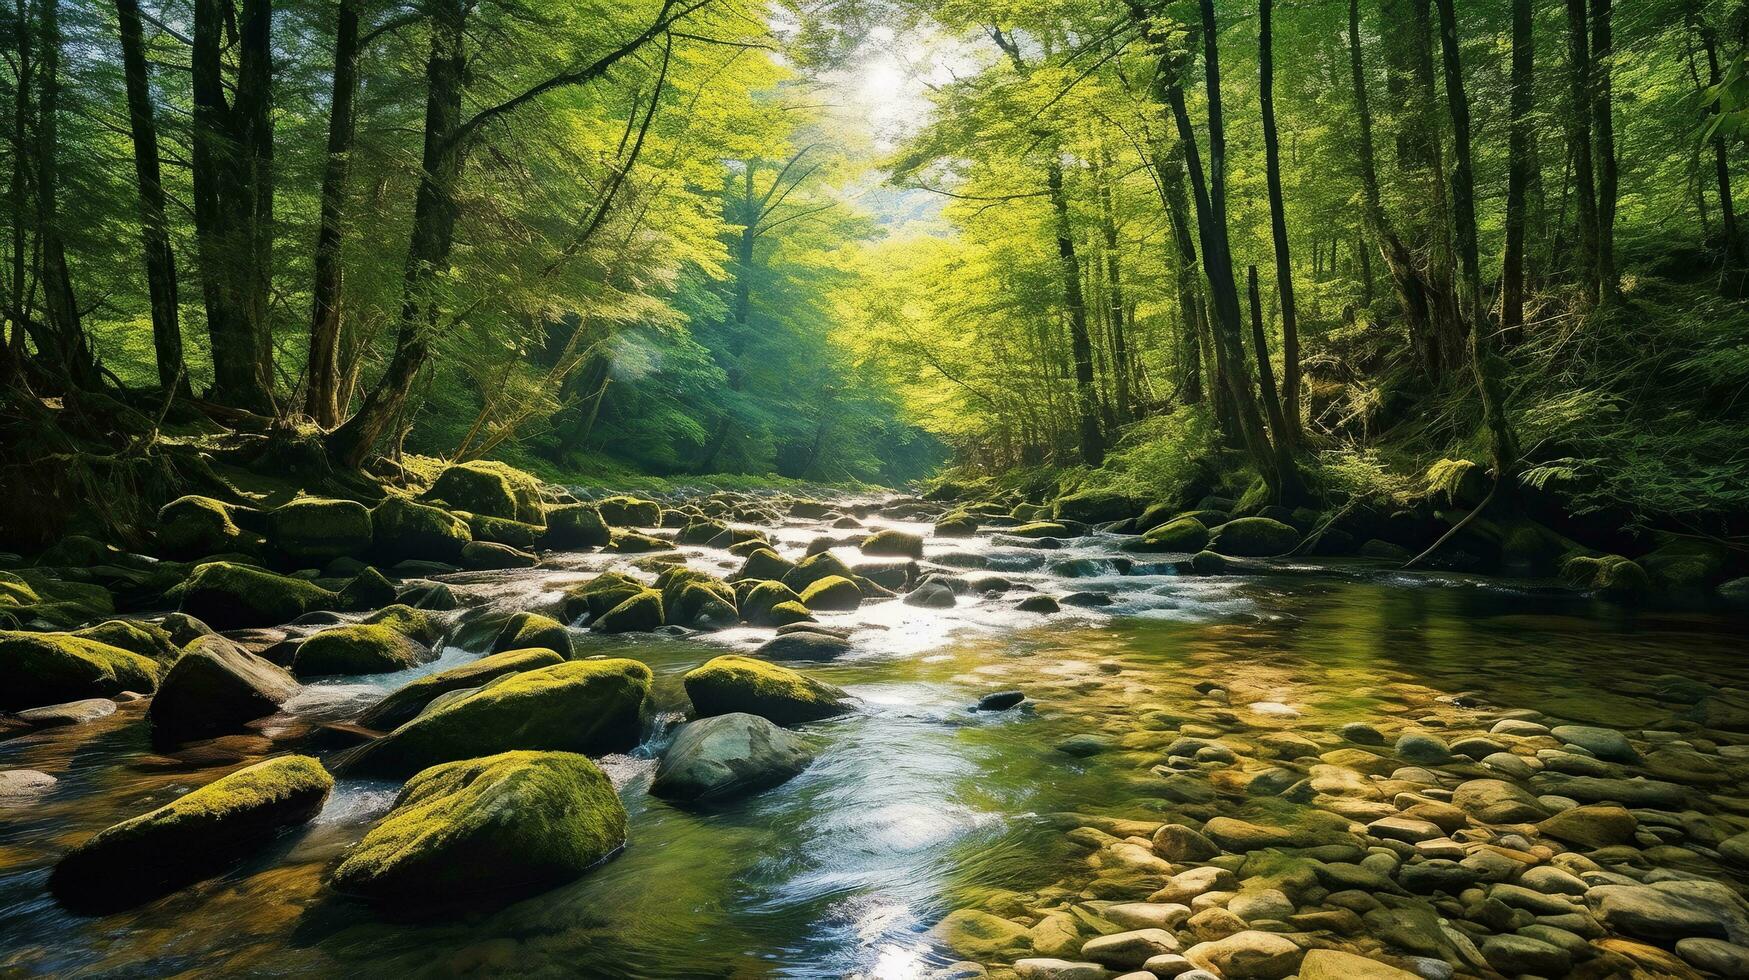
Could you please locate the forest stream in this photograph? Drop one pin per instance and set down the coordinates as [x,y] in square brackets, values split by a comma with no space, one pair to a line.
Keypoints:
[917,805]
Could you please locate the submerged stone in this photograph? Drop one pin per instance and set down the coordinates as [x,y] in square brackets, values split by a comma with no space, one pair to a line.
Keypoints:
[728,755]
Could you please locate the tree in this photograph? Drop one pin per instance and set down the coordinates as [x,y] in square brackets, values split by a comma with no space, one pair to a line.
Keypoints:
[1518,168]
[64,334]
[1289,429]
[160,261]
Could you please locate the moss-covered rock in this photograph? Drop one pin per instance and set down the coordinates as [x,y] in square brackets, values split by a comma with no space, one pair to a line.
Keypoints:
[833,593]
[764,563]
[145,639]
[526,630]
[728,755]
[1186,534]
[1253,537]
[195,526]
[957,524]
[787,612]
[601,593]
[731,683]
[192,837]
[361,648]
[762,598]
[902,544]
[487,829]
[229,596]
[490,488]
[183,629]
[403,529]
[639,613]
[501,530]
[1038,529]
[1093,507]
[318,530]
[1682,564]
[587,706]
[635,543]
[32,597]
[401,706]
[489,556]
[1611,575]
[699,532]
[814,568]
[367,590]
[574,526]
[630,512]
[51,668]
[216,687]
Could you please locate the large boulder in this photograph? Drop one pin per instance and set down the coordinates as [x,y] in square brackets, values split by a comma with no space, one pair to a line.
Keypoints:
[51,668]
[404,529]
[629,512]
[803,644]
[639,613]
[145,639]
[601,593]
[195,526]
[1186,534]
[587,706]
[320,530]
[765,564]
[574,526]
[215,688]
[229,596]
[482,556]
[402,705]
[732,684]
[500,530]
[488,829]
[359,648]
[1253,537]
[728,755]
[490,488]
[834,593]
[192,837]
[1609,575]
[1093,507]
[902,544]
[758,603]
[814,568]
[524,630]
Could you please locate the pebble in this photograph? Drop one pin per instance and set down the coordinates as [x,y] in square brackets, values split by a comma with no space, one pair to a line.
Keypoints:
[1422,748]
[1605,743]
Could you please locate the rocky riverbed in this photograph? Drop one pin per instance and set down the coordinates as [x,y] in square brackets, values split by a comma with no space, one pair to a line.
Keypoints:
[851,737]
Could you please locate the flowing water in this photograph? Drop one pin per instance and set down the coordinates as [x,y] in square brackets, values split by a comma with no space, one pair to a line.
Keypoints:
[915,806]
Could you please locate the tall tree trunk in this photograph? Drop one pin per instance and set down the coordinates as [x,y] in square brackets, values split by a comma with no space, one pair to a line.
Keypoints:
[21,154]
[1603,125]
[1123,384]
[69,351]
[1486,364]
[1721,155]
[1092,440]
[1170,168]
[428,249]
[1272,406]
[1579,143]
[1523,103]
[154,230]
[233,196]
[740,314]
[1284,279]
[322,380]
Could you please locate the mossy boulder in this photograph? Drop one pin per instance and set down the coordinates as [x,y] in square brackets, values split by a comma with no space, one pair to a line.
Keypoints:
[697,605]
[1093,507]
[601,593]
[360,648]
[1253,537]
[319,530]
[957,524]
[525,630]
[975,933]
[192,837]
[216,687]
[490,488]
[404,529]
[145,639]
[635,543]
[487,829]
[638,613]
[490,556]
[52,668]
[587,706]
[764,597]
[833,593]
[401,706]
[1610,575]
[1186,534]
[574,526]
[500,530]
[787,612]
[367,590]
[902,544]
[195,526]
[230,596]
[764,563]
[702,532]
[1038,529]
[731,684]
[630,512]
[726,756]
[1681,564]
[814,568]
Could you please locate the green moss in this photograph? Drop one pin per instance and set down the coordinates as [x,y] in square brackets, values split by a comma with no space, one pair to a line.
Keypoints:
[600,594]
[525,630]
[401,706]
[787,612]
[699,606]
[630,512]
[228,596]
[15,591]
[1682,564]
[574,526]
[490,488]
[702,532]
[416,623]
[367,590]
[1038,529]
[814,568]
[733,683]
[1611,575]
[358,649]
[762,598]
[192,837]
[50,668]
[893,542]
[957,524]
[764,563]
[502,530]
[1184,534]
[510,823]
[1253,537]
[632,542]
[639,613]
[834,593]
[1093,507]
[320,529]
[145,639]
[194,526]
[403,529]
[588,706]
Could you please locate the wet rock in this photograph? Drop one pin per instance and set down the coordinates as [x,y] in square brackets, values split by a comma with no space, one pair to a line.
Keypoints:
[1672,910]
[1497,801]
[1591,826]
[980,935]
[1000,701]
[1514,955]
[315,529]
[404,529]
[1253,537]
[901,544]
[931,595]
[1183,845]
[1087,600]
[1239,836]
[481,829]
[1333,964]
[1043,605]
[1129,950]
[803,645]
[359,649]
[191,837]
[1651,793]
[1423,749]
[1082,746]
[1147,915]
[216,687]
[742,684]
[1518,727]
[1046,968]
[1185,886]
[70,713]
[401,706]
[21,786]
[1715,956]
[728,755]
[490,555]
[1249,954]
[571,526]
[1604,743]
[639,612]
[625,511]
